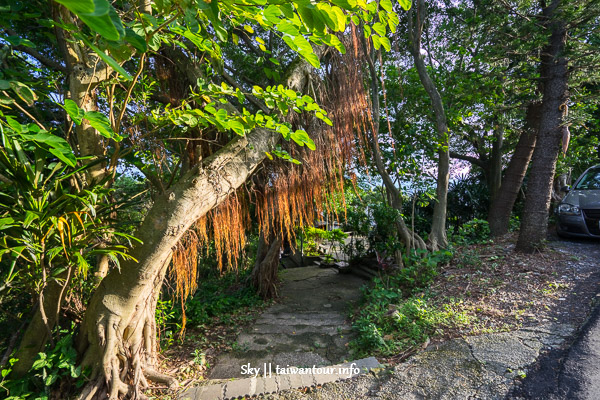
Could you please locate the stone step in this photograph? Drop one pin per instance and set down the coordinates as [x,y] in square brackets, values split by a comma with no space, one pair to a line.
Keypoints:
[300,329]
[323,318]
[289,378]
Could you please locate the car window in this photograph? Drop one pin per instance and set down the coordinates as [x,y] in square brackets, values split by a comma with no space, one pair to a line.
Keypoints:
[590,181]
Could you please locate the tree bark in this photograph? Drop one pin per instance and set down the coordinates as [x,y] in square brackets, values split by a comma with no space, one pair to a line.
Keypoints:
[437,237]
[266,267]
[118,333]
[554,75]
[503,203]
[494,172]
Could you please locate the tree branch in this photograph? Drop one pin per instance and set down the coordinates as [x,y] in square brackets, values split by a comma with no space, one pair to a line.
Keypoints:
[46,61]
[472,160]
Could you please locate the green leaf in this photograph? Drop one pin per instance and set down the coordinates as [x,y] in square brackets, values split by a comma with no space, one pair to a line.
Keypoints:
[379,28]
[75,371]
[333,41]
[303,44]
[17,41]
[99,15]
[108,59]
[50,379]
[99,122]
[311,58]
[386,5]
[345,4]
[272,14]
[137,41]
[56,145]
[237,127]
[41,362]
[340,18]
[24,92]
[385,42]
[14,124]
[302,138]
[405,4]
[376,41]
[393,22]
[288,28]
[74,111]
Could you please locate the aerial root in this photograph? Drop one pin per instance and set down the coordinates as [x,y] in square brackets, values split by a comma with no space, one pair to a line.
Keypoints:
[156,376]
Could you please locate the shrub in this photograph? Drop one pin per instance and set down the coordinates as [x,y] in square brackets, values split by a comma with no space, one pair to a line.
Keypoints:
[472,232]
[396,314]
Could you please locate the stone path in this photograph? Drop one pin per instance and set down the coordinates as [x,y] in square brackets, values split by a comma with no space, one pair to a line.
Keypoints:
[307,328]
[293,378]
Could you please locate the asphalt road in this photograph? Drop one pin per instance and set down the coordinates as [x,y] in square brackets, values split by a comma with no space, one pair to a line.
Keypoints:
[572,373]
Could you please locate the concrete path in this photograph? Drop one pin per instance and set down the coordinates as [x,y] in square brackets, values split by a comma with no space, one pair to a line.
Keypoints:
[288,378]
[307,327]
[583,364]
[480,367]
[571,372]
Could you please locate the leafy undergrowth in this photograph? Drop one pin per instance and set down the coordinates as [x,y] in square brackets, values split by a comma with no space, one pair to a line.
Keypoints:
[398,314]
[481,286]
[221,307]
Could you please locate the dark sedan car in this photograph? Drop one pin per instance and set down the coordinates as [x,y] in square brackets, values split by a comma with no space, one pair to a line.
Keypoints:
[579,212]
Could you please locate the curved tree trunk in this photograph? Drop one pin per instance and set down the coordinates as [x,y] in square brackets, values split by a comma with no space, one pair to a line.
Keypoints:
[266,267]
[118,338]
[118,335]
[437,237]
[554,75]
[503,203]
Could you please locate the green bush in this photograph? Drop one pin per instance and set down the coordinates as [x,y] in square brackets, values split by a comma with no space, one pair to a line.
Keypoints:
[420,267]
[472,232]
[388,324]
[218,300]
[395,314]
[49,369]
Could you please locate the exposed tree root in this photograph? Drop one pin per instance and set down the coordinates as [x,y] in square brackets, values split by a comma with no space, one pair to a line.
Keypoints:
[120,345]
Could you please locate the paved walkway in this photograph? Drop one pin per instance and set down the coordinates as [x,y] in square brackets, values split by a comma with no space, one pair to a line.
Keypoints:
[307,327]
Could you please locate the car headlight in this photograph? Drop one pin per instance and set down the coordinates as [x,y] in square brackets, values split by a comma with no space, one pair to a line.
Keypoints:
[568,209]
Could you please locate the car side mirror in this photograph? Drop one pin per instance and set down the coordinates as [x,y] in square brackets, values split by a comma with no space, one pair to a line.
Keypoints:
[565,189]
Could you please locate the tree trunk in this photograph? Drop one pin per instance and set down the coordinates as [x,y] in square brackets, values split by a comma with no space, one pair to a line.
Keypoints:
[38,330]
[410,239]
[554,75]
[266,267]
[83,79]
[494,170]
[437,237]
[118,337]
[503,203]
